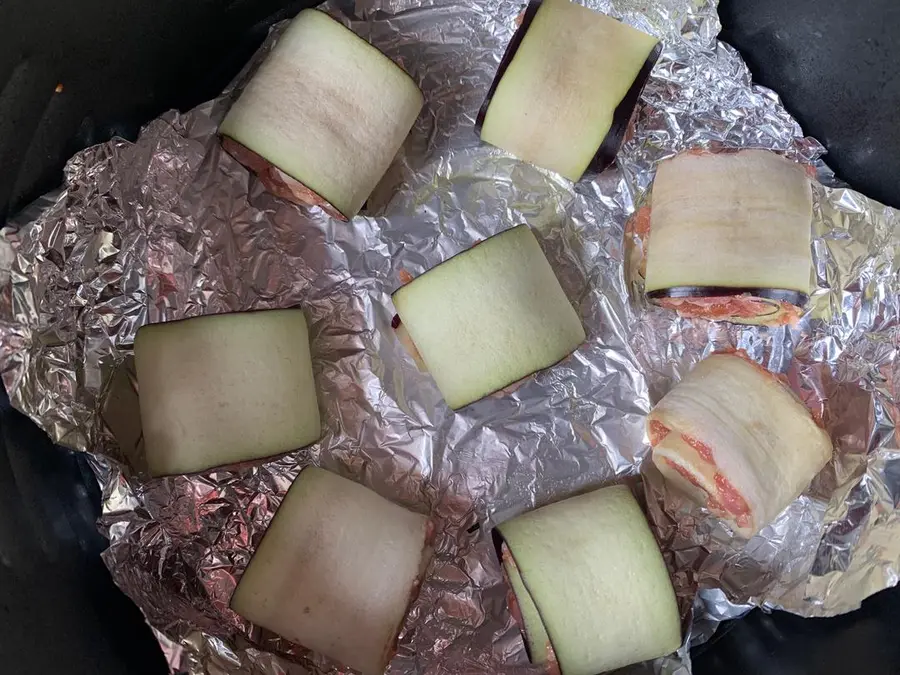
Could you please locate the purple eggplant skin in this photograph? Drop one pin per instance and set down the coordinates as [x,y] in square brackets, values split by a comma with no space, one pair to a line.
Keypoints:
[609,148]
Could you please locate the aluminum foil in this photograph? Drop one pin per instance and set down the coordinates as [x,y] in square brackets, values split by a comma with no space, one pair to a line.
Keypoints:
[170,226]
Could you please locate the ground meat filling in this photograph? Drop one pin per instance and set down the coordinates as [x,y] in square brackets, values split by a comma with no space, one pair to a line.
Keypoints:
[727,307]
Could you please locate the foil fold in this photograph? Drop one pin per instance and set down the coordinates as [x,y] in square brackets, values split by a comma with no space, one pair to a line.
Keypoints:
[171,226]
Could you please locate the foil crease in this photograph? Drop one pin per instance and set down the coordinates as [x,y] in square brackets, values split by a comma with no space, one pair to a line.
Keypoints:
[171,226]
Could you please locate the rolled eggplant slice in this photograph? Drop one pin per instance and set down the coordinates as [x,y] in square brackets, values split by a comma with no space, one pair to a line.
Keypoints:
[567,87]
[736,440]
[597,588]
[524,611]
[730,237]
[226,388]
[489,316]
[324,116]
[336,571]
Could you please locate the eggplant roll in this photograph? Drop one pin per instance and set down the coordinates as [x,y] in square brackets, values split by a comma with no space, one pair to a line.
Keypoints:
[567,87]
[730,237]
[323,117]
[337,570]
[225,388]
[488,317]
[736,439]
[589,584]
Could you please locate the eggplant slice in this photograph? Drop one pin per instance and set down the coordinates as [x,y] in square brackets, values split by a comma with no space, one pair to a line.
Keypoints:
[327,110]
[590,582]
[225,388]
[337,570]
[730,237]
[566,88]
[523,609]
[736,440]
[489,316]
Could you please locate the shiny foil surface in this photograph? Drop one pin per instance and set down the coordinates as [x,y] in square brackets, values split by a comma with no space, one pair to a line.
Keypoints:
[171,226]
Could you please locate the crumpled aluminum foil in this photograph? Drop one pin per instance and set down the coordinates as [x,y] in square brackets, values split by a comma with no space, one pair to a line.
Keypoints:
[170,226]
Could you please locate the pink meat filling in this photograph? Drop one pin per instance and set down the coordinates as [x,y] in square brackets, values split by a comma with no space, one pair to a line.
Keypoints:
[731,306]
[728,498]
